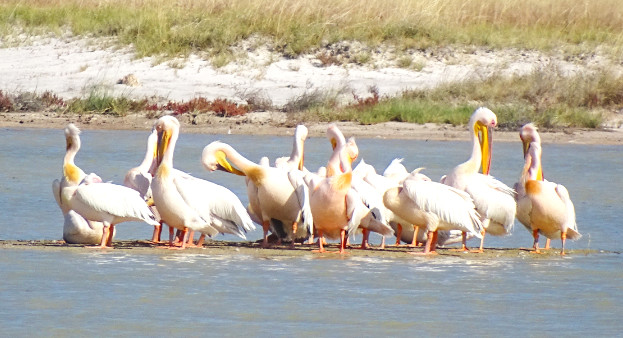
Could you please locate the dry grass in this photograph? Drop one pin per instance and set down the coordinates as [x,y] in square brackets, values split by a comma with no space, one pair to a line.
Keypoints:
[179,27]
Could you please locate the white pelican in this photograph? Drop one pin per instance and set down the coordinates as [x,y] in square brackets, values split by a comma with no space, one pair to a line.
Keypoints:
[433,205]
[297,157]
[139,179]
[107,203]
[281,196]
[185,202]
[545,206]
[76,229]
[494,201]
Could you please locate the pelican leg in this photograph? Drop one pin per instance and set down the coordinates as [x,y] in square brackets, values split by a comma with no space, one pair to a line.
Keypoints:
[431,241]
[463,243]
[547,243]
[535,234]
[563,238]
[434,244]
[265,227]
[183,235]
[155,238]
[382,246]
[414,240]
[320,242]
[201,240]
[191,239]
[111,232]
[295,227]
[105,234]
[398,234]
[482,242]
[342,241]
[364,240]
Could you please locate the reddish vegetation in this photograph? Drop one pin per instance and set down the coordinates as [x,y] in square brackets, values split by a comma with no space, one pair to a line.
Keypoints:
[364,103]
[222,107]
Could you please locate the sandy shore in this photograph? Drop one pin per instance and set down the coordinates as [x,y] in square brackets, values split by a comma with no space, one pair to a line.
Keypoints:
[253,249]
[276,123]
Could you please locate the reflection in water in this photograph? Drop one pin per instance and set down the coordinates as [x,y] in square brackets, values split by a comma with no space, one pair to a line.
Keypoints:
[122,292]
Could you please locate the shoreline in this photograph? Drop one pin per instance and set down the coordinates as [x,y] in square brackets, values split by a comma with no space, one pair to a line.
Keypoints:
[216,247]
[276,123]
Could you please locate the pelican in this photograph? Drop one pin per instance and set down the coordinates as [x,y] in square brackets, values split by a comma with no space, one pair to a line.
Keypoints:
[139,179]
[185,202]
[433,205]
[108,203]
[494,201]
[336,207]
[280,196]
[76,229]
[545,206]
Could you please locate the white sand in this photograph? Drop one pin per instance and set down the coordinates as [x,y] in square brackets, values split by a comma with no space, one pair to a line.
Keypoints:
[73,67]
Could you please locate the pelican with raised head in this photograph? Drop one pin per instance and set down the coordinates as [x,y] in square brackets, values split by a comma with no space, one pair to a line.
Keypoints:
[494,200]
[185,202]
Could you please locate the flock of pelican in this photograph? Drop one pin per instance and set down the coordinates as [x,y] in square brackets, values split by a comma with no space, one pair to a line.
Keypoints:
[297,205]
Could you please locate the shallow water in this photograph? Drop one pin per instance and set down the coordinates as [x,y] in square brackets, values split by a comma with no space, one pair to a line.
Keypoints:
[75,294]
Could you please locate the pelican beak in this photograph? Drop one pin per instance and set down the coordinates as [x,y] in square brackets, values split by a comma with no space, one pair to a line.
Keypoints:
[150,202]
[223,164]
[164,136]
[485,134]
[302,159]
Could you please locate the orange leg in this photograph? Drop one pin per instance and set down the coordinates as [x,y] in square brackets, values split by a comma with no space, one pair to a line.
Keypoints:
[382,246]
[398,234]
[431,241]
[414,240]
[320,243]
[201,240]
[295,227]
[265,227]
[105,237]
[342,241]
[563,238]
[463,243]
[482,242]
[547,243]
[191,239]
[183,240]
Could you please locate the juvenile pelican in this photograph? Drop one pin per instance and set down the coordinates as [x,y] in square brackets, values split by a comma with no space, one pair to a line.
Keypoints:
[281,196]
[139,179]
[545,206]
[433,205]
[185,202]
[494,201]
[76,229]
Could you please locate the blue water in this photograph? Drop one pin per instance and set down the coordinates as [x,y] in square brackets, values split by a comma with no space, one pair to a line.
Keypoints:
[78,293]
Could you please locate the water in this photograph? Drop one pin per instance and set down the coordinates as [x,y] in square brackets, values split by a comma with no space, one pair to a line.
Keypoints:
[65,293]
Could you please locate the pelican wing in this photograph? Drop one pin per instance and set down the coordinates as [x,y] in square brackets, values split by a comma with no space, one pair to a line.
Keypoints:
[371,198]
[56,191]
[572,227]
[495,201]
[301,190]
[450,205]
[355,210]
[216,204]
[106,200]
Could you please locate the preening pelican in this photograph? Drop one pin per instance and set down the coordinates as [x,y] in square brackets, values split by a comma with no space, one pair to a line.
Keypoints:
[494,201]
[545,206]
[185,202]
[297,157]
[281,196]
[434,206]
[76,229]
[139,179]
[107,203]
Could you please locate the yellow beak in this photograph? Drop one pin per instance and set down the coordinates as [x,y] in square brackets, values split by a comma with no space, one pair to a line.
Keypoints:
[485,134]
[221,159]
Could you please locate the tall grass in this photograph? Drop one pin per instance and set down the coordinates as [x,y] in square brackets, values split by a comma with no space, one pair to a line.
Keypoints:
[174,27]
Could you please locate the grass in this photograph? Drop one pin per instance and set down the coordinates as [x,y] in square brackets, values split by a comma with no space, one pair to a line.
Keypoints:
[179,27]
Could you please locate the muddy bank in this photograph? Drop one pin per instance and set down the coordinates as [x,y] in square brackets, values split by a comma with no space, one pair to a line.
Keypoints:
[306,251]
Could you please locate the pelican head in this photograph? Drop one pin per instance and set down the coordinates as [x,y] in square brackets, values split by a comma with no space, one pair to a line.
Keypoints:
[351,149]
[72,137]
[335,136]
[531,142]
[214,158]
[483,121]
[72,173]
[167,129]
[300,135]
